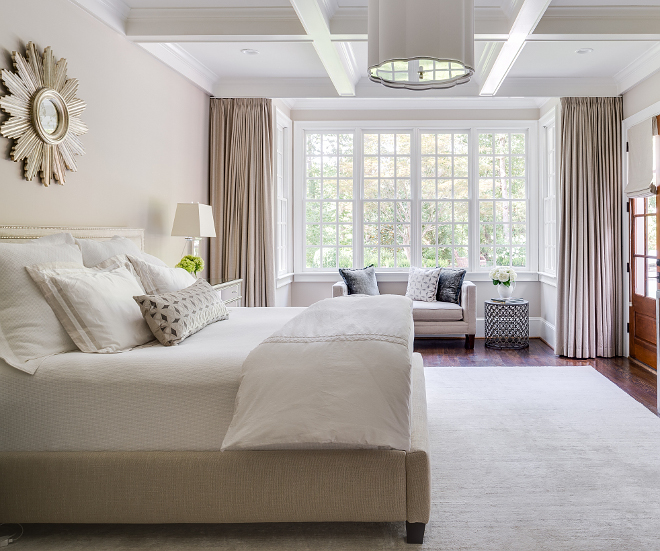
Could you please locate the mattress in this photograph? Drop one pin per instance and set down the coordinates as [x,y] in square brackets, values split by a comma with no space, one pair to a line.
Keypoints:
[155,398]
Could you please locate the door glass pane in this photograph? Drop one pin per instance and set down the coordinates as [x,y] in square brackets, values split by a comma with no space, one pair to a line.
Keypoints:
[652,282]
[639,276]
[651,243]
[639,235]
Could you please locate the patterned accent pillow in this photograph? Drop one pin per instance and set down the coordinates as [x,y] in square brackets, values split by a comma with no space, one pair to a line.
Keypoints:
[423,283]
[360,281]
[173,317]
[450,285]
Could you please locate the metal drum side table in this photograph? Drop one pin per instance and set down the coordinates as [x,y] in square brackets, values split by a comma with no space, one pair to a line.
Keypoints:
[507,325]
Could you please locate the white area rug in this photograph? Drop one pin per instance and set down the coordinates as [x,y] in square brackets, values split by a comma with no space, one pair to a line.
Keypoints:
[524,459]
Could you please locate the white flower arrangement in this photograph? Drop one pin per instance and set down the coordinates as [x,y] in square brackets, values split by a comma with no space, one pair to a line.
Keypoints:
[503,276]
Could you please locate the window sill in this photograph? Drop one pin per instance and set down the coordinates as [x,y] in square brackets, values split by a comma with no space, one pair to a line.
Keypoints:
[548,279]
[283,280]
[333,277]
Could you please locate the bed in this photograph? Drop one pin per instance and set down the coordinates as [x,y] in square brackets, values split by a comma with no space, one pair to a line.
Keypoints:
[136,437]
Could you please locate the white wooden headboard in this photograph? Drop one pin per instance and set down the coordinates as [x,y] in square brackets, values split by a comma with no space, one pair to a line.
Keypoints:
[19,233]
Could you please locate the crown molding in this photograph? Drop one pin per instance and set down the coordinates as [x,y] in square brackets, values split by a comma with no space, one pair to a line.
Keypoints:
[639,69]
[405,104]
[185,64]
[114,13]
[347,57]
[313,87]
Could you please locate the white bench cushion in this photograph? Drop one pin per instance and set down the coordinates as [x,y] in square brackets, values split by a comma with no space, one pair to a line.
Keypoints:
[436,311]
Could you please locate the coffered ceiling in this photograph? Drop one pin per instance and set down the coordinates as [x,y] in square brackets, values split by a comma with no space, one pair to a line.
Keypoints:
[318,48]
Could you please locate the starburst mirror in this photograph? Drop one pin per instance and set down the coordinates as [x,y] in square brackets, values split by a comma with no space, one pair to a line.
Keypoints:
[44,115]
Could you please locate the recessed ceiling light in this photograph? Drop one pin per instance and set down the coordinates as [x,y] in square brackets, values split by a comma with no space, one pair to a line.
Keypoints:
[249,51]
[584,51]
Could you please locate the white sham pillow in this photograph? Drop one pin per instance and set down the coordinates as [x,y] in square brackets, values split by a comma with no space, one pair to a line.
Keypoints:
[157,280]
[94,252]
[423,284]
[96,307]
[29,330]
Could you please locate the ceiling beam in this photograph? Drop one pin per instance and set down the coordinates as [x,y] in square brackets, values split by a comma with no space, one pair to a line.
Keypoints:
[315,20]
[528,17]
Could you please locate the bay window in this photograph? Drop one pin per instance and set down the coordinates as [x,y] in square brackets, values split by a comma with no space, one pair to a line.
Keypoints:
[396,197]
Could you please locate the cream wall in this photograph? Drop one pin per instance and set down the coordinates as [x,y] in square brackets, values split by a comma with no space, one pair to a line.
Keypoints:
[147,145]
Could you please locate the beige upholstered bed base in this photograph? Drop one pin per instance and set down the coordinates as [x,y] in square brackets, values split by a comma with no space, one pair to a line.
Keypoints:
[217,487]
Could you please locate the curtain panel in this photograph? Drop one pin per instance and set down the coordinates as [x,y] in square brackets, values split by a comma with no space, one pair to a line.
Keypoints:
[590,271]
[241,191]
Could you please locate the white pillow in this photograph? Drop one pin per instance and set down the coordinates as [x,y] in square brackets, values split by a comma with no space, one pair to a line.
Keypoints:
[95,252]
[423,284]
[157,280]
[29,330]
[95,307]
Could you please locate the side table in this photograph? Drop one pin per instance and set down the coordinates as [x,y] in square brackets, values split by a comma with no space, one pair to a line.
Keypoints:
[230,290]
[507,325]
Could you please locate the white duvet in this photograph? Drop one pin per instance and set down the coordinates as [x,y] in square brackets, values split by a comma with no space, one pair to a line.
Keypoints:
[336,376]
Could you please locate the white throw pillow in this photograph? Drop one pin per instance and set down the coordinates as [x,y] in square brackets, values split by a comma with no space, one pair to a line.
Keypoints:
[96,307]
[94,252]
[423,283]
[157,280]
[29,330]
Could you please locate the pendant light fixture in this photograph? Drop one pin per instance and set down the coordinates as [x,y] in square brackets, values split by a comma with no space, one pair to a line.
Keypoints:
[421,44]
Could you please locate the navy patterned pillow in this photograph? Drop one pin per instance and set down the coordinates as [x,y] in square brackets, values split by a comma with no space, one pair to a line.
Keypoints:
[450,284]
[360,281]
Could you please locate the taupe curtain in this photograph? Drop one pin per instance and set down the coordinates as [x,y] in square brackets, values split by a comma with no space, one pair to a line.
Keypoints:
[241,193]
[590,274]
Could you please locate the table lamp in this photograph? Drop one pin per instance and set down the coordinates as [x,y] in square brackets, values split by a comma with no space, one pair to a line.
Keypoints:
[193,221]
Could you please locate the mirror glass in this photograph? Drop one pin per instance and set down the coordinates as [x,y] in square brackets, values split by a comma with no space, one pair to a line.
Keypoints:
[48,116]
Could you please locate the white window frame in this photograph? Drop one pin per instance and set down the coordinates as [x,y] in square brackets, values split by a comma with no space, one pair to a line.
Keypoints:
[547,272]
[530,273]
[530,230]
[283,194]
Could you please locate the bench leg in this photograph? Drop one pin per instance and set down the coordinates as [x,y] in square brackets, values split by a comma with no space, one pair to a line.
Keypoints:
[469,342]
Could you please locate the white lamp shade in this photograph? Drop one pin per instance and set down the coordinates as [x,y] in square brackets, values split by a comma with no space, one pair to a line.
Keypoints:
[193,220]
[421,44]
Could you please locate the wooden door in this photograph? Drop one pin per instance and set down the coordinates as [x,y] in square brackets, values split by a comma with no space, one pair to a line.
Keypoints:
[643,278]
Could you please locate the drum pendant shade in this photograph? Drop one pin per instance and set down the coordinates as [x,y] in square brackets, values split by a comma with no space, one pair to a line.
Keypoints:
[421,44]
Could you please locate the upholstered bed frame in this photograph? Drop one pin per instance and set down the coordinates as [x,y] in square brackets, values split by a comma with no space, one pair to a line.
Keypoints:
[219,487]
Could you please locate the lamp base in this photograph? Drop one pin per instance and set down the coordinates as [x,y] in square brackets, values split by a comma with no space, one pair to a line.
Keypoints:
[194,245]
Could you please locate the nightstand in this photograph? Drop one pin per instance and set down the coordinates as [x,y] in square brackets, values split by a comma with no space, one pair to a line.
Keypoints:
[230,290]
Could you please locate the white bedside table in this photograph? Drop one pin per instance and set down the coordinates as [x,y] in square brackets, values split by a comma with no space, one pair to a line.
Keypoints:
[230,290]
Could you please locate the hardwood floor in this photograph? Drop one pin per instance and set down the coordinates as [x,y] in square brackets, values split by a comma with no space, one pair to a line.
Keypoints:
[637,381]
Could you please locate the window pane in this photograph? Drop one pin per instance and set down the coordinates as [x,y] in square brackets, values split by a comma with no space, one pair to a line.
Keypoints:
[444,178]
[329,177]
[502,155]
[387,217]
